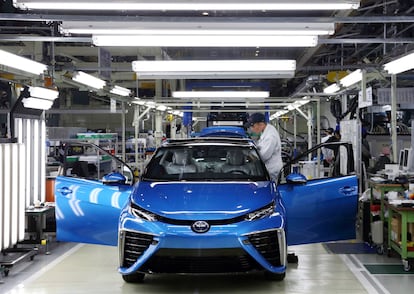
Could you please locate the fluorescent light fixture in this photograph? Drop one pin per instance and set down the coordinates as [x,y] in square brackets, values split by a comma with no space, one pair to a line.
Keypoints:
[349,80]
[43,93]
[36,103]
[138,101]
[88,80]
[161,107]
[117,90]
[21,63]
[401,64]
[204,69]
[297,104]
[278,114]
[220,94]
[192,28]
[352,78]
[150,104]
[188,32]
[188,5]
[178,113]
[333,88]
[205,40]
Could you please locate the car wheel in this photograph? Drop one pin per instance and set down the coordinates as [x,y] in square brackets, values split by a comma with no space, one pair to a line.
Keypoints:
[134,278]
[274,276]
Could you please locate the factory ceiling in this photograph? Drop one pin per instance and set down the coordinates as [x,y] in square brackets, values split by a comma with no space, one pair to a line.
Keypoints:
[366,38]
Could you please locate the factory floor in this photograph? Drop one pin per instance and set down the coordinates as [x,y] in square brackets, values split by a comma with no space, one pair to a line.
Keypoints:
[68,268]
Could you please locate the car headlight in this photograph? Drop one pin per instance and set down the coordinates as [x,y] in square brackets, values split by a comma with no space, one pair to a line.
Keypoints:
[141,213]
[261,213]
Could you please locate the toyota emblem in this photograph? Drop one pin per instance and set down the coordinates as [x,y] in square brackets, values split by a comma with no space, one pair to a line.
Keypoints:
[200,227]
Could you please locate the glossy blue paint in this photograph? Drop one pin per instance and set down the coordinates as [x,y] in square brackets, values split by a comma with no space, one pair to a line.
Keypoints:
[219,236]
[223,131]
[87,211]
[296,179]
[114,179]
[189,200]
[322,210]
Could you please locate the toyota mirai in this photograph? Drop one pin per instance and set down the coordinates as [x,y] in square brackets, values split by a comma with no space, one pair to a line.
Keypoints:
[201,205]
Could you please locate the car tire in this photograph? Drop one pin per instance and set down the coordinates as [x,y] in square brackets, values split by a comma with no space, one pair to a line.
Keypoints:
[134,278]
[274,276]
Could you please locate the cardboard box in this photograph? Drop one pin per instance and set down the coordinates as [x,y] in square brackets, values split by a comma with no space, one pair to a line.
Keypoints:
[396,228]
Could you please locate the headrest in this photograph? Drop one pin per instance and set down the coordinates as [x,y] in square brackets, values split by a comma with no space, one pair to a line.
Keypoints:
[181,157]
[235,158]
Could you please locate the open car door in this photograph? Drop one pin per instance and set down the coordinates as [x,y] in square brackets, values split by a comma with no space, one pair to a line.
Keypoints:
[90,191]
[322,206]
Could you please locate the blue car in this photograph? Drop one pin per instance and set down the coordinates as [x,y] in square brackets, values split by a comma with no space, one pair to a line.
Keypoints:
[202,205]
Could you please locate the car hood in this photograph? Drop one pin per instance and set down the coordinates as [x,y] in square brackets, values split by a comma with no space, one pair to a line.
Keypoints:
[189,200]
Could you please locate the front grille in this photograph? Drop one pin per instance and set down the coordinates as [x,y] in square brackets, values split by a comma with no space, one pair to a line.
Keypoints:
[201,261]
[267,244]
[135,245]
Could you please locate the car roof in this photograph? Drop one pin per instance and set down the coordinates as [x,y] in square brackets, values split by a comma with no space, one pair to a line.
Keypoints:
[208,141]
[223,131]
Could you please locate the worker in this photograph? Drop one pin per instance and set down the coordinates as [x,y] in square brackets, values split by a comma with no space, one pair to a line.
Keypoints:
[335,148]
[326,152]
[150,140]
[268,144]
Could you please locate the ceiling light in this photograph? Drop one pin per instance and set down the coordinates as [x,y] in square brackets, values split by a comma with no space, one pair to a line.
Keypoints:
[401,64]
[278,114]
[36,103]
[197,28]
[347,81]
[220,94]
[43,93]
[205,41]
[117,90]
[161,107]
[297,104]
[333,88]
[88,80]
[162,69]
[21,63]
[189,5]
[352,78]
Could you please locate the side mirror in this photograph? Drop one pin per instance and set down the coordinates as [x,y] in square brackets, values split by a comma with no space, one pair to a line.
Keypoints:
[114,179]
[296,179]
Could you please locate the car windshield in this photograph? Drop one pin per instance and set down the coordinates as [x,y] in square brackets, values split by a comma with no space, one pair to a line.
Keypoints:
[206,163]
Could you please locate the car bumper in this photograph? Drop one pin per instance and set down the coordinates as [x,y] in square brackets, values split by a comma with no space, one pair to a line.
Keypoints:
[165,248]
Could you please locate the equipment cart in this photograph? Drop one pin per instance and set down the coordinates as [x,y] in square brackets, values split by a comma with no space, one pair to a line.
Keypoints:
[401,224]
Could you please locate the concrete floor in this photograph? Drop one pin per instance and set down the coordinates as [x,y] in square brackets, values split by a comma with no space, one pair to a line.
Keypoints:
[77,268]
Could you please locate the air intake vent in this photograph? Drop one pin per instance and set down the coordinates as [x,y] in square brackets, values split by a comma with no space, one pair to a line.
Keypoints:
[201,261]
[135,245]
[268,246]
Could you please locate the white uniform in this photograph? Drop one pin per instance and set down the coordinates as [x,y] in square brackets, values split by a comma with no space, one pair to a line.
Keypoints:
[269,146]
[150,141]
[327,153]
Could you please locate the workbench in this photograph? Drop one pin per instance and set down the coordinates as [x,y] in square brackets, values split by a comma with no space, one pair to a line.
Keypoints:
[407,217]
[384,188]
[406,214]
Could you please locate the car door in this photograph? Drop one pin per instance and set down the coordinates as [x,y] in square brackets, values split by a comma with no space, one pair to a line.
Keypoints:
[323,208]
[90,192]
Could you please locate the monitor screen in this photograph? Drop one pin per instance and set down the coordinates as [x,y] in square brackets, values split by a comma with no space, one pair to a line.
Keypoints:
[408,159]
[405,157]
[401,159]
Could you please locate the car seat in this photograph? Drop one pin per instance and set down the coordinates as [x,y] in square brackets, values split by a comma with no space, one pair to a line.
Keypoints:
[235,162]
[181,163]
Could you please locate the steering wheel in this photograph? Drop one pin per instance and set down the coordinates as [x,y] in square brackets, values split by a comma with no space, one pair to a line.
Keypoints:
[238,172]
